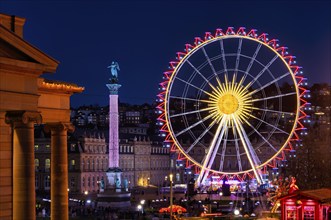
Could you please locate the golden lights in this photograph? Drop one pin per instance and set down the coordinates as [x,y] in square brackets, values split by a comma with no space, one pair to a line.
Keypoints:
[230,99]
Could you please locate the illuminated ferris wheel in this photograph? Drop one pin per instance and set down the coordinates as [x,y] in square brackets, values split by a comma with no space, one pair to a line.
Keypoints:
[232,104]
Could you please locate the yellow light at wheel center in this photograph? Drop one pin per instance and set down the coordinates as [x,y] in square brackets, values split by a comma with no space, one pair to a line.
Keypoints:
[228,104]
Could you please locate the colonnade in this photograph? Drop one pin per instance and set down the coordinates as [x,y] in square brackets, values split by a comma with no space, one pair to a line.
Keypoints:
[24,194]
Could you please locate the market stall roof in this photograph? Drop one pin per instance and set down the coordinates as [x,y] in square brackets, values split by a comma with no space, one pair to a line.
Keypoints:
[322,195]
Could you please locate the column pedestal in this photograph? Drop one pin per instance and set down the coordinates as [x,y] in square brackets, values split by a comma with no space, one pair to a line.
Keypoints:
[114,176]
[24,194]
[59,169]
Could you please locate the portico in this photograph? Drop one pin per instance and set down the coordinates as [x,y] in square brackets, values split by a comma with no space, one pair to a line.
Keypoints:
[27,99]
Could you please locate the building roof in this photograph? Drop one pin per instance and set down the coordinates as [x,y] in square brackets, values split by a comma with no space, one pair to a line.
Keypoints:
[15,49]
[322,195]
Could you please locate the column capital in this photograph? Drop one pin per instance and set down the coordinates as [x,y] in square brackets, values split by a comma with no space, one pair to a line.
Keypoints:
[59,126]
[23,117]
[113,88]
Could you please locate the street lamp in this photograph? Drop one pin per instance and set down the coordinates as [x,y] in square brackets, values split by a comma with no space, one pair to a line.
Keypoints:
[142,202]
[139,207]
[171,199]
[86,192]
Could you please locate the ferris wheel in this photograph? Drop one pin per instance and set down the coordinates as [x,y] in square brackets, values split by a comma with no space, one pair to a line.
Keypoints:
[232,104]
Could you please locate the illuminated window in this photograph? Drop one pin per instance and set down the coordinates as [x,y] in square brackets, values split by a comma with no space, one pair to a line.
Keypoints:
[309,213]
[36,164]
[72,164]
[291,213]
[48,146]
[36,147]
[47,164]
[47,182]
[177,177]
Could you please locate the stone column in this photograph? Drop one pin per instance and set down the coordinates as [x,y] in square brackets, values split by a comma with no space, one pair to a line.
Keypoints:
[24,194]
[59,169]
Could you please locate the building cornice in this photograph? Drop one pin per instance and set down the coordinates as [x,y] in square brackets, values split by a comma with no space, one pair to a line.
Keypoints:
[58,87]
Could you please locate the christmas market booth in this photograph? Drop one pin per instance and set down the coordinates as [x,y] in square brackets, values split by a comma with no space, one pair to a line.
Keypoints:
[308,205]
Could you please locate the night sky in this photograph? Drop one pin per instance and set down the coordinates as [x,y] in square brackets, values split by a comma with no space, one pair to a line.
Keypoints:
[143,36]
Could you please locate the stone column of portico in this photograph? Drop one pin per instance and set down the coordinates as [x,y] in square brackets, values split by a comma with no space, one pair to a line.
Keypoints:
[59,169]
[24,197]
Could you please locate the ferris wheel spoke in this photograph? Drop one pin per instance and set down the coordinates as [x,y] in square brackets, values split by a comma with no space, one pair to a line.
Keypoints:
[224,133]
[201,136]
[236,145]
[217,138]
[264,139]
[269,83]
[262,71]
[238,54]
[272,97]
[198,88]
[275,127]
[274,111]
[202,76]
[195,124]
[189,99]
[223,149]
[251,154]
[209,61]
[214,150]
[223,55]
[192,112]
[253,59]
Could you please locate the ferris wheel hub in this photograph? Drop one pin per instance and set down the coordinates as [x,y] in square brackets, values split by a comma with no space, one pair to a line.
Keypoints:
[228,104]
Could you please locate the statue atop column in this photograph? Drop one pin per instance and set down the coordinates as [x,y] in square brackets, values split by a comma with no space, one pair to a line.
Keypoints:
[114,68]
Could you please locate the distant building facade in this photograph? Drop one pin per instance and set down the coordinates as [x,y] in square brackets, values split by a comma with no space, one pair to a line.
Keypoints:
[142,161]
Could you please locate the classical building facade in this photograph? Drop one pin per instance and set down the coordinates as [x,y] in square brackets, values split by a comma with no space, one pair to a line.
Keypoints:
[142,161]
[27,99]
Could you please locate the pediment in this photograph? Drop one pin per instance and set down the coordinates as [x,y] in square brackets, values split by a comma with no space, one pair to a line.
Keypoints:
[9,51]
[14,48]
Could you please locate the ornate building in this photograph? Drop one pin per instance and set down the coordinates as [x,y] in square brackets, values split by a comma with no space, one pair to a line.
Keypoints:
[142,161]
